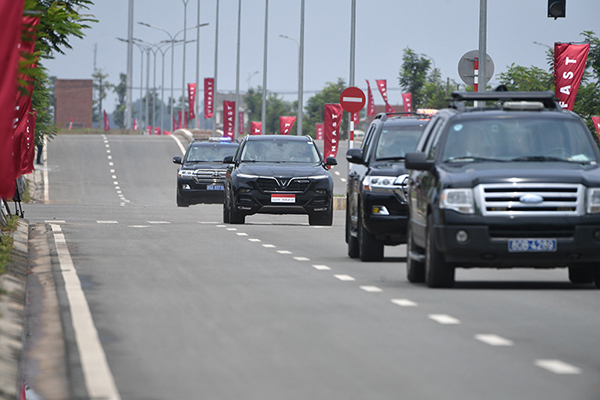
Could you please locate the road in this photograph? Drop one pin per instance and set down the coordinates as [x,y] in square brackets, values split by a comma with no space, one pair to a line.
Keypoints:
[185,307]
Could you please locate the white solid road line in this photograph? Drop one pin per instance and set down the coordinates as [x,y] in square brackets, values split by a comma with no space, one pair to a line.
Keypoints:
[178,143]
[493,340]
[99,381]
[558,367]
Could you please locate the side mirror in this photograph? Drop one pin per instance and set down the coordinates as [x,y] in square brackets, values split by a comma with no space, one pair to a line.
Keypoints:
[177,160]
[228,160]
[330,161]
[418,161]
[355,156]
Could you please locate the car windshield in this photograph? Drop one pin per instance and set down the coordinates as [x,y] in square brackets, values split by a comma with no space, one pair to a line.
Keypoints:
[395,141]
[518,139]
[279,151]
[211,153]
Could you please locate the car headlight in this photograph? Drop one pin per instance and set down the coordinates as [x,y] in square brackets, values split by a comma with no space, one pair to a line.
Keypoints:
[459,200]
[593,200]
[185,173]
[384,183]
[324,176]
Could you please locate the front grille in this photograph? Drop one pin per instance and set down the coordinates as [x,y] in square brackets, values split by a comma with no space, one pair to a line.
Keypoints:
[511,199]
[288,185]
[209,175]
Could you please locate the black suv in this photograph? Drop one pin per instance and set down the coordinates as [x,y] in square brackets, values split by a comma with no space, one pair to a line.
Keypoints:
[514,183]
[376,206]
[278,174]
[201,175]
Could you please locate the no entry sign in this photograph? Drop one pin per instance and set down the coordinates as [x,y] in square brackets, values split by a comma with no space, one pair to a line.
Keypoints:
[352,99]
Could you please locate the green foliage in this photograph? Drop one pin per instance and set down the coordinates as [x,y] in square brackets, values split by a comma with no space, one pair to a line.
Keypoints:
[276,107]
[413,76]
[315,106]
[101,87]
[121,91]
[42,102]
[6,241]
[518,78]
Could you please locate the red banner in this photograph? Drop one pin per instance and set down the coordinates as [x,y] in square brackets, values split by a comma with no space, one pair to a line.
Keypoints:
[228,119]
[569,64]
[192,100]
[157,130]
[407,101]
[28,145]
[320,131]
[106,122]
[179,120]
[285,125]
[209,96]
[255,127]
[382,85]
[331,132]
[148,130]
[241,123]
[370,101]
[135,124]
[596,121]
[356,118]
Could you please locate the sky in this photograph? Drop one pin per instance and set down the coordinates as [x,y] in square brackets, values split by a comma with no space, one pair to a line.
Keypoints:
[441,30]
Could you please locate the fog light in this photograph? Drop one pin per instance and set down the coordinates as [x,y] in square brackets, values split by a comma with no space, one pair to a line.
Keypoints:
[380,210]
[186,186]
[462,236]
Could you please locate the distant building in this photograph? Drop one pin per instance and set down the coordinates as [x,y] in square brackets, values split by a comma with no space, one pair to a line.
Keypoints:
[73,99]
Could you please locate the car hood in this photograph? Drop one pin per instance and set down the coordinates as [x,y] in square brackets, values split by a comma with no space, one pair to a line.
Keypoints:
[472,174]
[204,165]
[281,169]
[388,168]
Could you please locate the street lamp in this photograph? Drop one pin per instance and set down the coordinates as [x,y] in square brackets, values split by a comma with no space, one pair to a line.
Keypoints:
[172,40]
[142,49]
[299,113]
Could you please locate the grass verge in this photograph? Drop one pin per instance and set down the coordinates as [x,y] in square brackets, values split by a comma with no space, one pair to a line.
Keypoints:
[6,241]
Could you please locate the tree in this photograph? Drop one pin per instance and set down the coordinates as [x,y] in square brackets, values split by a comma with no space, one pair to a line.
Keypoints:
[315,106]
[121,91]
[518,78]
[276,107]
[413,75]
[101,86]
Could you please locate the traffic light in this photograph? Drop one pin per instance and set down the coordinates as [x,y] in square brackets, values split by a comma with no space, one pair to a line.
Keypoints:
[557,8]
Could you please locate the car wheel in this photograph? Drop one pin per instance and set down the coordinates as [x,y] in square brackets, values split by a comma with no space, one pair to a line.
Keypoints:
[225,212]
[181,202]
[353,251]
[438,273]
[581,274]
[235,217]
[415,270]
[369,248]
[597,276]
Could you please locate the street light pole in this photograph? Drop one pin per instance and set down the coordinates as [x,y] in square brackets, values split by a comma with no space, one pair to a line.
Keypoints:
[185,2]
[299,112]
[301,72]
[129,81]
[264,93]
[214,117]
[236,123]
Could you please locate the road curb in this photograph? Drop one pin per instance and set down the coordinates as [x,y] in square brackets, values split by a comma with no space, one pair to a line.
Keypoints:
[12,313]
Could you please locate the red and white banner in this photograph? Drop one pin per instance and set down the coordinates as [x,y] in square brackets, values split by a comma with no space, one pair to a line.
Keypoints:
[148,130]
[370,101]
[596,121]
[242,128]
[332,126]
[382,85]
[209,97]
[320,131]
[28,145]
[157,130]
[356,118]
[285,124]
[106,122]
[407,101]
[135,124]
[192,100]
[569,64]
[228,119]
[255,127]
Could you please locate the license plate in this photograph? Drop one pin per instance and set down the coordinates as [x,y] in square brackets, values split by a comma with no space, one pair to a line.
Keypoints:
[531,245]
[215,187]
[283,198]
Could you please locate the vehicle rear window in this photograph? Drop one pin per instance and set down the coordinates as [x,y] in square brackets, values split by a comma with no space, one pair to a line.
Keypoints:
[209,153]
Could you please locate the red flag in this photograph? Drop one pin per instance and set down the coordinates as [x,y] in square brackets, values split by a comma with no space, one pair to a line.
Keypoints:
[596,121]
[135,124]
[241,122]
[28,145]
[569,64]
[71,124]
[356,118]
[106,122]
[370,101]
[255,127]
[10,31]
[407,101]
[192,100]
[382,85]
[228,118]
[285,125]
[180,120]
[148,130]
[157,130]
[209,94]
[332,125]
[319,129]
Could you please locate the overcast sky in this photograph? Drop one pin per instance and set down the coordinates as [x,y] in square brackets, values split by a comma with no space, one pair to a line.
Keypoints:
[444,30]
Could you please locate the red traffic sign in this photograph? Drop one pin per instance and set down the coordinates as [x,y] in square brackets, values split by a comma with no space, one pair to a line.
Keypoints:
[352,99]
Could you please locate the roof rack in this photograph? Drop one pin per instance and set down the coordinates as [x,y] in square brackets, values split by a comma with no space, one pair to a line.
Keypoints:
[547,98]
[384,115]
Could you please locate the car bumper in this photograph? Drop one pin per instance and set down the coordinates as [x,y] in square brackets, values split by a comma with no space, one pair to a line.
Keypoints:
[255,202]
[196,193]
[385,216]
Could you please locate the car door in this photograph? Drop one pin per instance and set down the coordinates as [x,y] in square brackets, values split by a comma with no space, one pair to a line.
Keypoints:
[356,173]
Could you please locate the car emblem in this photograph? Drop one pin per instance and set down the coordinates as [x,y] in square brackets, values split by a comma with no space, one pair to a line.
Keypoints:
[283,182]
[530,198]
[215,174]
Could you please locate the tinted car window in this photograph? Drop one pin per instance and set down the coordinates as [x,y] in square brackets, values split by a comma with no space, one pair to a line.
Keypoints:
[209,153]
[395,141]
[280,151]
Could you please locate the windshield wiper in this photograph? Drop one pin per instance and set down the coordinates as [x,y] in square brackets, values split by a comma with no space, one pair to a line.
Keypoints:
[472,159]
[390,159]
[539,158]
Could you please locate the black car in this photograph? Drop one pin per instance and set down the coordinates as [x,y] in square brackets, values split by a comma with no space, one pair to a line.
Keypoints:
[376,206]
[508,184]
[200,179]
[278,174]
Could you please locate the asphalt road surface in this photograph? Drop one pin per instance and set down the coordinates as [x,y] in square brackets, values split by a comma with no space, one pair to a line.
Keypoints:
[182,306]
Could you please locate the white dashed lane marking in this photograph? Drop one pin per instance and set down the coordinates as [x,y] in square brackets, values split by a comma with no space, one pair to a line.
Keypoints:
[321,267]
[301,259]
[345,277]
[404,302]
[558,367]
[493,340]
[284,252]
[444,319]
[107,222]
[371,289]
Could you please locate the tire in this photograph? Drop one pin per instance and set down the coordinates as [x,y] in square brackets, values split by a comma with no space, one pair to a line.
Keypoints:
[438,273]
[235,217]
[581,274]
[597,276]
[369,248]
[225,212]
[415,270]
[353,251]
[181,202]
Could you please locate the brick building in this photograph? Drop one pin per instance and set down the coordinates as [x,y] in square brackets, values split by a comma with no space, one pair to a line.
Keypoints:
[73,98]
